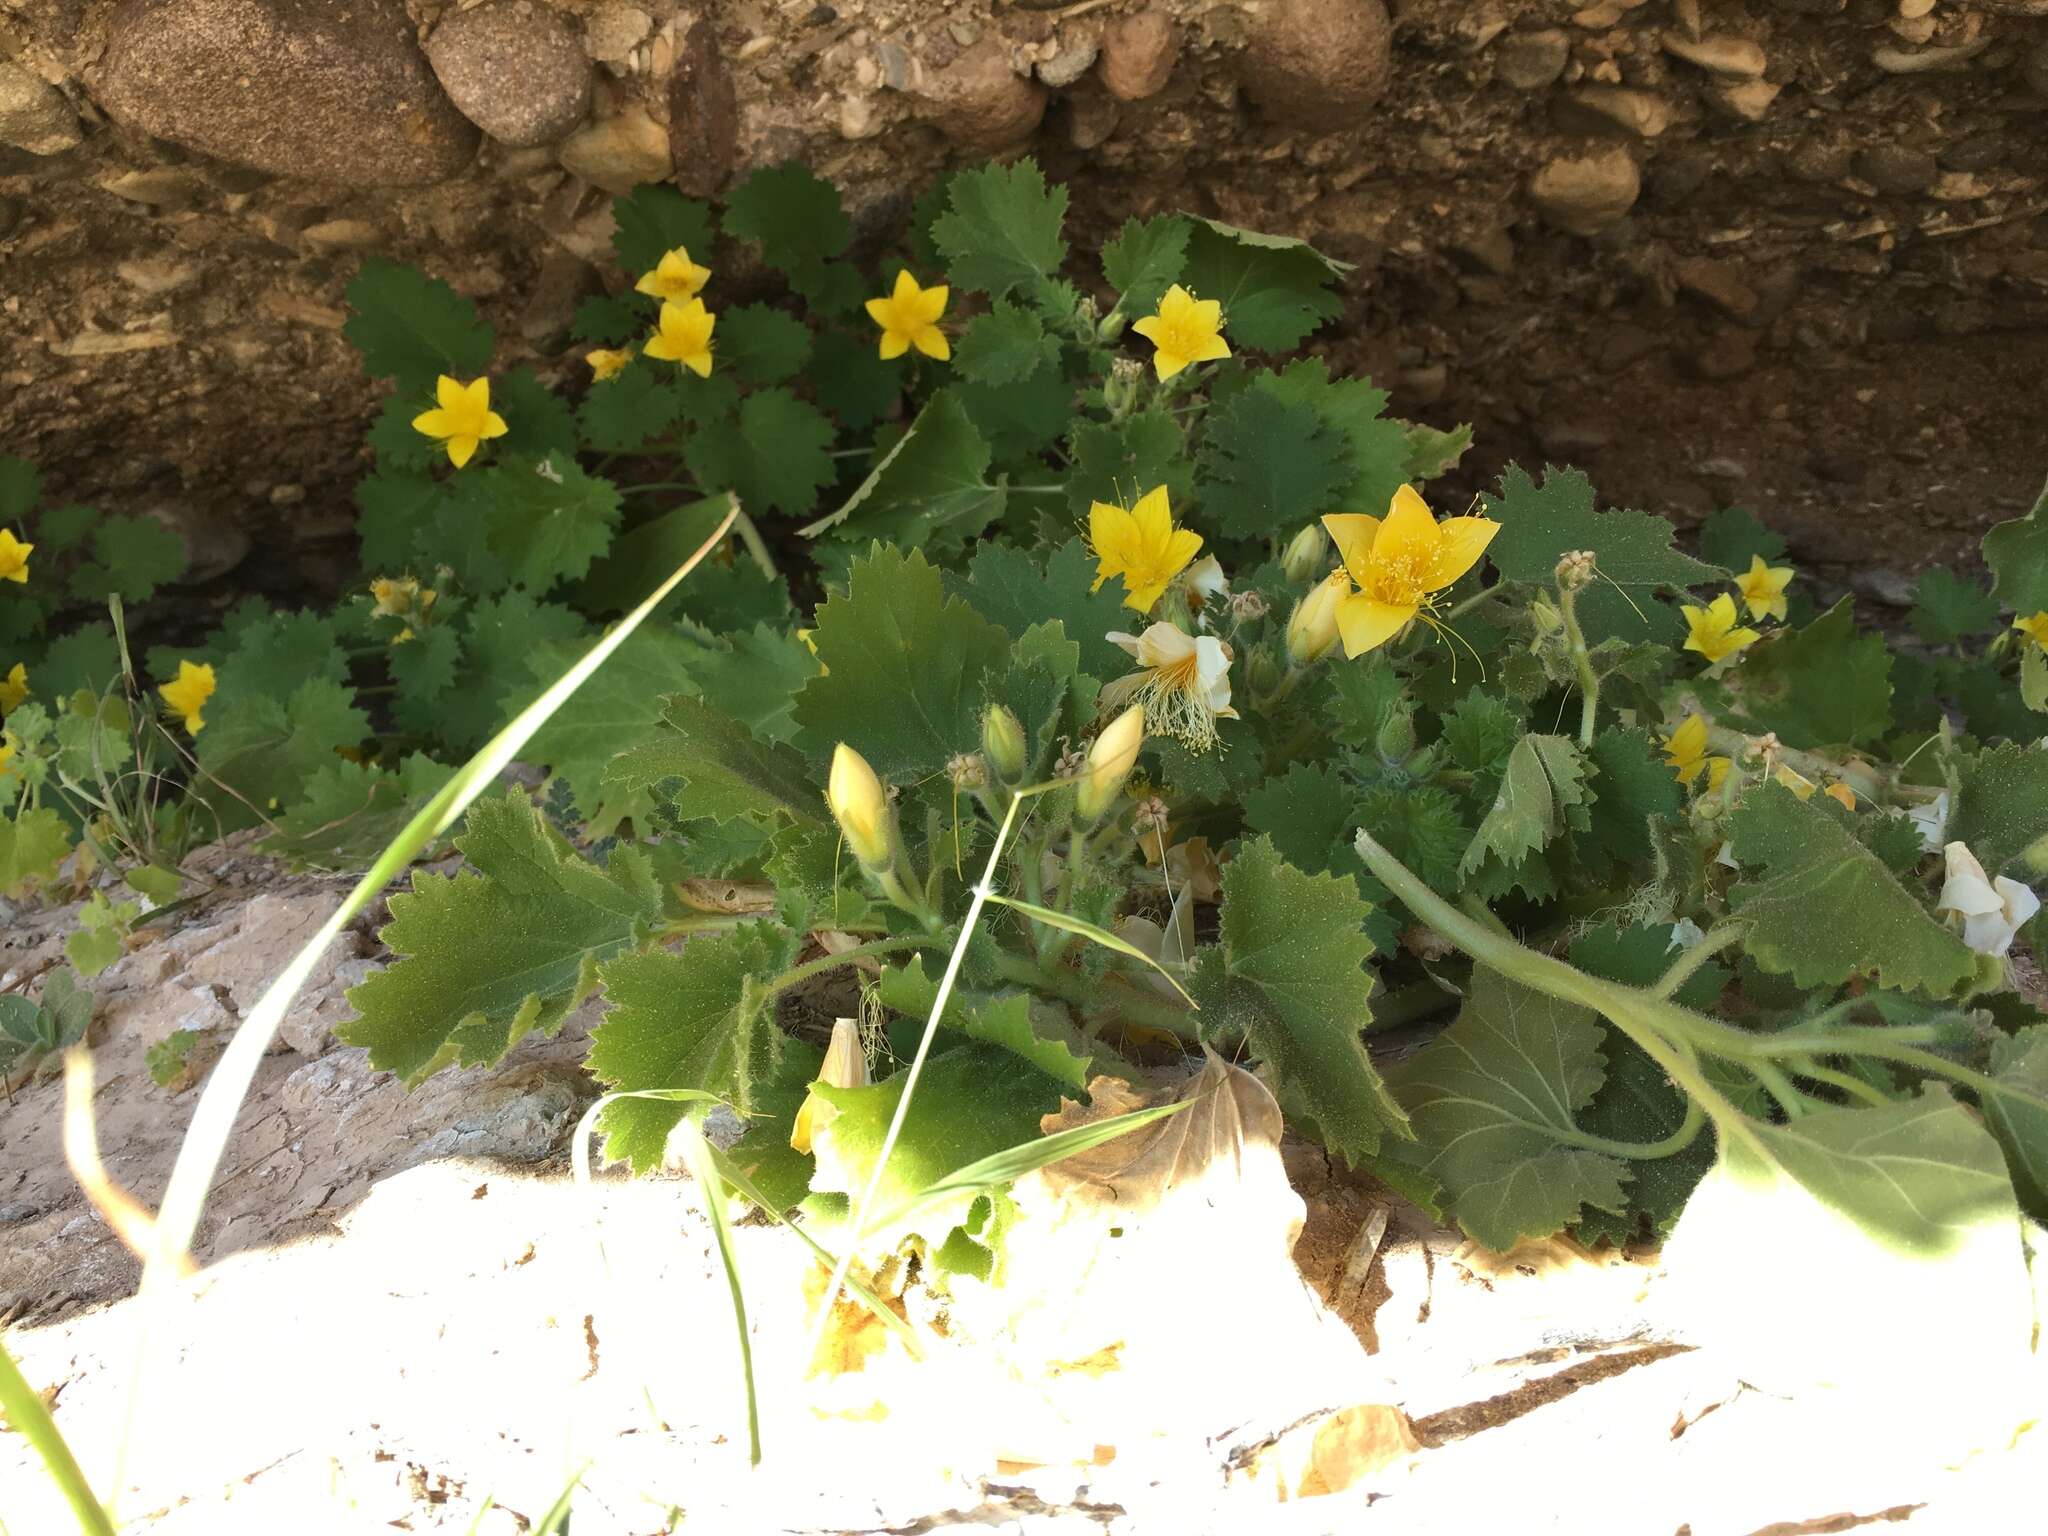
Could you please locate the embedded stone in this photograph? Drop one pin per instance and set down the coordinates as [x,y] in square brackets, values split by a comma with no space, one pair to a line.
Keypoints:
[619,153]
[293,87]
[1138,55]
[981,103]
[1529,61]
[34,114]
[1317,64]
[1584,194]
[515,68]
[1719,53]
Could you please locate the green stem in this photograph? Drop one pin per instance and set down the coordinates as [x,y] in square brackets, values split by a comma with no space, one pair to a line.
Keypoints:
[1847,1040]
[1582,663]
[1780,1088]
[1716,939]
[1848,1082]
[824,963]
[1091,996]
[1641,1151]
[1404,1005]
[1466,605]
[26,1412]
[750,536]
[1861,777]
[1927,1061]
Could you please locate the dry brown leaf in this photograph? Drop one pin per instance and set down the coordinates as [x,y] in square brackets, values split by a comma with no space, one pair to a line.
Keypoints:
[1335,1453]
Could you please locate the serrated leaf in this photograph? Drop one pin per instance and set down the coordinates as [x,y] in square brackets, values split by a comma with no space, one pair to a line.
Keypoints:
[1049,693]
[1421,826]
[2001,804]
[1480,730]
[1432,452]
[1363,695]
[1274,290]
[546,521]
[1947,608]
[1378,449]
[931,484]
[609,318]
[87,657]
[1269,466]
[1004,346]
[32,845]
[501,636]
[792,211]
[538,422]
[2018,1117]
[1014,589]
[264,747]
[1828,684]
[725,773]
[1827,908]
[651,221]
[506,946]
[701,1017]
[413,328]
[625,412]
[762,344]
[21,487]
[1311,815]
[1145,259]
[775,457]
[1895,839]
[1288,975]
[1001,233]
[756,679]
[816,884]
[135,556]
[1635,786]
[2017,553]
[852,381]
[905,667]
[1494,1102]
[1022,420]
[348,812]
[1053,1047]
[1119,462]
[1545,778]
[1732,535]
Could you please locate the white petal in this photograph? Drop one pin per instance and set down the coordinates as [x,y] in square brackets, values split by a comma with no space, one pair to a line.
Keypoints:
[1723,856]
[1130,643]
[2020,902]
[1206,577]
[1685,933]
[1163,644]
[1932,820]
[1989,934]
[1967,889]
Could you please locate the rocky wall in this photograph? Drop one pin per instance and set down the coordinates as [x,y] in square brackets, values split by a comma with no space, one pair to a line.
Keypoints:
[1791,253]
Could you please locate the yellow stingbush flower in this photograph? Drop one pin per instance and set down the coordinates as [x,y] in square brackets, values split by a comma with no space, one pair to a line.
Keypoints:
[1312,628]
[2035,628]
[1185,330]
[860,805]
[13,688]
[13,557]
[606,362]
[1109,764]
[1183,682]
[1400,563]
[463,418]
[684,336]
[909,317]
[1842,794]
[186,695]
[1713,630]
[675,278]
[1763,588]
[1141,545]
[1685,750]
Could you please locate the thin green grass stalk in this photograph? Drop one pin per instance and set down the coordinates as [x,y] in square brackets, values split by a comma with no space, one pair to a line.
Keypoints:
[556,1520]
[697,1154]
[1053,918]
[213,1121]
[28,1414]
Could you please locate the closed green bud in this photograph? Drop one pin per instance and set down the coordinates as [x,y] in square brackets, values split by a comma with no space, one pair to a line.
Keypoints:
[1109,764]
[1306,555]
[1263,672]
[1396,738]
[1112,326]
[1002,743]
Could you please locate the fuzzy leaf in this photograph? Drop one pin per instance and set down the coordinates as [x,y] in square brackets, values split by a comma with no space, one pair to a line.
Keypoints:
[1731,536]
[1494,1102]
[931,486]
[1014,589]
[32,845]
[1947,608]
[1002,231]
[852,381]
[1118,463]
[762,344]
[348,812]
[793,211]
[1288,974]
[775,457]
[1379,449]
[1827,909]
[725,772]
[132,556]
[21,487]
[1052,1046]
[651,221]
[413,328]
[1004,346]
[1828,684]
[265,748]
[2018,1117]
[1432,452]
[1544,780]
[1311,815]
[756,677]
[506,946]
[1421,826]
[2001,804]
[624,413]
[500,640]
[1269,466]
[547,520]
[1145,259]
[2017,553]
[1274,290]
[905,666]
[1635,785]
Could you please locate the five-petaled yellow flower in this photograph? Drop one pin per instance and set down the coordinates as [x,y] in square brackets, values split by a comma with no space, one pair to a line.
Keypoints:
[606,362]
[187,694]
[1685,750]
[674,279]
[1399,563]
[1141,545]
[462,419]
[13,557]
[2035,628]
[909,317]
[1185,330]
[684,336]
[13,688]
[1713,630]
[1763,588]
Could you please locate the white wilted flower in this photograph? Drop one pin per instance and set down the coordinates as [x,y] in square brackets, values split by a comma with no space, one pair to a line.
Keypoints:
[1932,820]
[1184,683]
[1993,911]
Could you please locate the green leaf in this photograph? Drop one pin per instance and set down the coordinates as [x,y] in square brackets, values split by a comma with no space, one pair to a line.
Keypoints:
[1826,685]
[2017,553]
[1379,449]
[136,555]
[1011,587]
[1310,813]
[775,457]
[852,381]
[1274,290]
[1118,463]
[637,559]
[265,748]
[756,679]
[1049,1043]
[1363,695]
[931,486]
[792,211]
[1145,260]
[816,885]
[725,772]
[1289,976]
[2034,678]
[539,424]
[1002,232]
[2001,805]
[1480,730]
[1947,608]
[2018,1117]
[1004,346]
[509,945]
[1421,826]
[21,487]
[32,845]
[1730,537]
[66,1008]
[1269,466]
[651,221]
[96,942]
[630,409]
[609,318]
[413,328]
[1545,779]
[348,812]
[761,344]
[1432,452]
[1635,785]
[905,667]
[1494,1102]
[546,521]
[1633,550]
[1827,908]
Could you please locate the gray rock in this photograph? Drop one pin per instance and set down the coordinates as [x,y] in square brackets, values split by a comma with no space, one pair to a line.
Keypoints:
[1584,194]
[1069,64]
[614,31]
[1318,64]
[619,153]
[295,87]
[1719,53]
[34,114]
[1529,61]
[515,68]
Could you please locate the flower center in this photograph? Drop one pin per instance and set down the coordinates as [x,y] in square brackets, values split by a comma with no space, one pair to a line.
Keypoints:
[1399,580]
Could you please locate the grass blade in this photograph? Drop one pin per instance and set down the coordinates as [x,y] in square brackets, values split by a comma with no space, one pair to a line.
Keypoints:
[697,1154]
[28,1413]
[1089,931]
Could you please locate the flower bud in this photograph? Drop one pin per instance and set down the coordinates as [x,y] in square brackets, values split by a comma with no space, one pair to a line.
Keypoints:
[1544,616]
[1002,743]
[1574,570]
[861,807]
[846,1066]
[1112,326]
[1396,738]
[1312,628]
[1109,764]
[1304,559]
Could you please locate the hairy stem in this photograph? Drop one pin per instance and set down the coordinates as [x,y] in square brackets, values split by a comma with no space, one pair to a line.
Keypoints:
[1716,939]
[818,967]
[1582,662]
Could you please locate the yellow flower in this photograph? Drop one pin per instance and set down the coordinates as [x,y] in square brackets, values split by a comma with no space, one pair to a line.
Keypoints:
[187,694]
[674,279]
[2035,629]
[1763,588]
[13,688]
[845,1066]
[1842,794]
[1185,330]
[1400,562]
[1312,628]
[1685,750]
[13,557]
[684,336]
[1141,545]
[463,418]
[6,756]
[605,363]
[909,317]
[1714,633]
